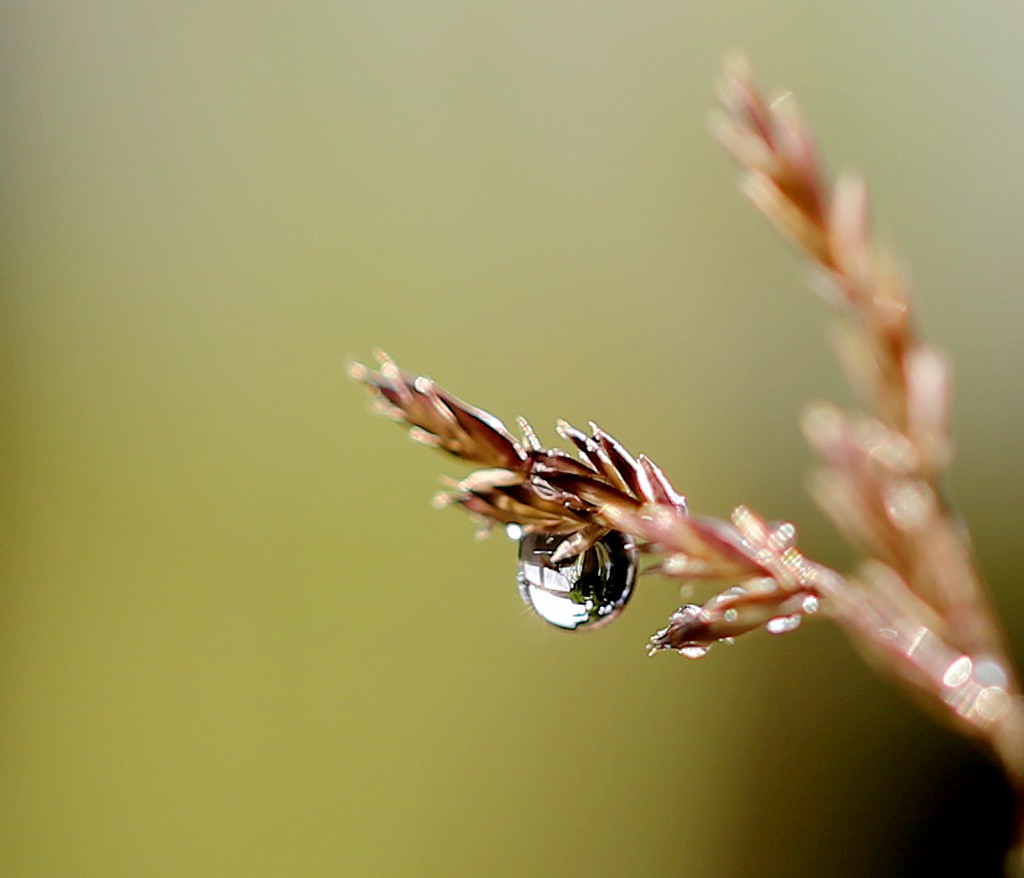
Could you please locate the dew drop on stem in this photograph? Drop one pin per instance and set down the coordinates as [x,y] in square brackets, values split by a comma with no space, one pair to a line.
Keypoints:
[586,591]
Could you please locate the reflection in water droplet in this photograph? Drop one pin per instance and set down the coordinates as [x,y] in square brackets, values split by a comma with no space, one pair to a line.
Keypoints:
[693,652]
[783,624]
[583,592]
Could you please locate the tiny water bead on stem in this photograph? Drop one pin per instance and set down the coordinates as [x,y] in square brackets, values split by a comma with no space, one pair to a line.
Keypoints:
[585,591]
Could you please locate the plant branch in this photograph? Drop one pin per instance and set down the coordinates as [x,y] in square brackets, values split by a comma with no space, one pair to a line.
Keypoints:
[916,608]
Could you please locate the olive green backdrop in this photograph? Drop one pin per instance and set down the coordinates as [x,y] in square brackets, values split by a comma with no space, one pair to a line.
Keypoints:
[235,639]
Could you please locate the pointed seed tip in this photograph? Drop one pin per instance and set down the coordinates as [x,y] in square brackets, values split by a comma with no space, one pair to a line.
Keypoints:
[850,199]
[735,62]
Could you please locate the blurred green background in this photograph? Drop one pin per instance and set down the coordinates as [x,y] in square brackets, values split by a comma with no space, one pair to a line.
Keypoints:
[235,639]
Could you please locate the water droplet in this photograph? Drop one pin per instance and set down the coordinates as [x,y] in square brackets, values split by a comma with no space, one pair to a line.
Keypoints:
[783,624]
[693,652]
[958,672]
[583,592]
[783,535]
[811,604]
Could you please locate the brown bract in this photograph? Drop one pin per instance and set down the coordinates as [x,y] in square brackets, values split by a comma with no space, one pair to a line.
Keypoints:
[544,490]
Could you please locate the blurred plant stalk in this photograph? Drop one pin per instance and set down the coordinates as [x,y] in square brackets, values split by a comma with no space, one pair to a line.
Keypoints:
[916,607]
